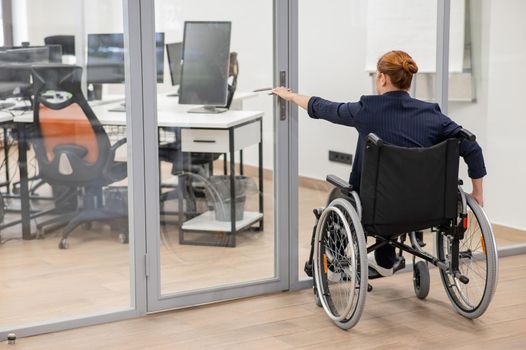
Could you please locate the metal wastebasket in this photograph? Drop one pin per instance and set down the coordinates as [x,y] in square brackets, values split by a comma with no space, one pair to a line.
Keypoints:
[219,198]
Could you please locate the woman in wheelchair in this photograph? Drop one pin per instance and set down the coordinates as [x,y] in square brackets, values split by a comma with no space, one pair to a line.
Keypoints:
[404,180]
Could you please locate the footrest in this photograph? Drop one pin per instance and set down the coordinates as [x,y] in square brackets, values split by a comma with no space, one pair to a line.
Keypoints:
[398,265]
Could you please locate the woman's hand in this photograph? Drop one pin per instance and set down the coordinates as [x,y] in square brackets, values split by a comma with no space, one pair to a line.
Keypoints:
[478,197]
[284,93]
[478,193]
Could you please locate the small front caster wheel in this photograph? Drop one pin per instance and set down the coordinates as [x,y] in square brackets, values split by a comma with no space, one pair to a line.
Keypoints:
[421,279]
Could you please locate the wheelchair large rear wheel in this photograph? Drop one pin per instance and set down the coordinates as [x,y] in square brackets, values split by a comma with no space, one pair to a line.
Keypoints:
[340,263]
[478,261]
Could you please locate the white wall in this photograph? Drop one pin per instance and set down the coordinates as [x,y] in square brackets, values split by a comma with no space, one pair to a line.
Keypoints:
[506,128]
[331,65]
[474,115]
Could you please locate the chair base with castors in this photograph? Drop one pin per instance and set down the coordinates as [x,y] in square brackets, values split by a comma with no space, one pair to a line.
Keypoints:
[465,244]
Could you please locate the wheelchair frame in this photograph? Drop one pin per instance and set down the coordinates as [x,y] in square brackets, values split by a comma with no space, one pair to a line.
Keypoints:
[455,231]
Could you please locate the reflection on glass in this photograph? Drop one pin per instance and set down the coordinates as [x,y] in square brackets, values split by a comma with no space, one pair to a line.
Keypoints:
[217,220]
[64,207]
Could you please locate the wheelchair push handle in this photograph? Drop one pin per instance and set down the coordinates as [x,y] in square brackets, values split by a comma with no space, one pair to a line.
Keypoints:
[465,134]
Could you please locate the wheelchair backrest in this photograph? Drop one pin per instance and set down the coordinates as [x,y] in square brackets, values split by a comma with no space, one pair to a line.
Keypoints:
[407,189]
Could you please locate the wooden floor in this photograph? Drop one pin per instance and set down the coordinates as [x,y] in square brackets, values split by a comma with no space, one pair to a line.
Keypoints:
[40,283]
[393,319]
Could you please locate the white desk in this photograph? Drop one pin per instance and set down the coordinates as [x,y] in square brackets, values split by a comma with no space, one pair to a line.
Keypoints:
[5,117]
[225,133]
[169,113]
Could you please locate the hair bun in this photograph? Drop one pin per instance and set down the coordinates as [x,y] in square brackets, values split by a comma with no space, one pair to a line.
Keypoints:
[410,66]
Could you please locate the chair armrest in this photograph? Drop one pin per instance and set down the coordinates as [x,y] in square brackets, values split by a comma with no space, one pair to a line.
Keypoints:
[374,139]
[114,147]
[110,161]
[118,144]
[465,134]
[340,183]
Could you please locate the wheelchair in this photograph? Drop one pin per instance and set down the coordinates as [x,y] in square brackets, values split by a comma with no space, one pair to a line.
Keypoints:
[403,191]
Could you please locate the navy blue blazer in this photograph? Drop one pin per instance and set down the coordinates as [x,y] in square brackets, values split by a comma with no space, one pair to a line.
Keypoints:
[398,119]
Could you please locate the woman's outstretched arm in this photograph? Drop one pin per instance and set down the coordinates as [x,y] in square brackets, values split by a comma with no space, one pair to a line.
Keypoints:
[287,95]
[319,108]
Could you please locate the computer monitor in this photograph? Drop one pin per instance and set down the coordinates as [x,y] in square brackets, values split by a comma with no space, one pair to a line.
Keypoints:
[106,58]
[204,73]
[174,51]
[15,69]
[26,55]
[14,81]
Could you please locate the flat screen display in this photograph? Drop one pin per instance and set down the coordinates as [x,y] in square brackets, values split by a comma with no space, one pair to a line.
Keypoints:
[206,54]
[106,58]
[174,52]
[15,69]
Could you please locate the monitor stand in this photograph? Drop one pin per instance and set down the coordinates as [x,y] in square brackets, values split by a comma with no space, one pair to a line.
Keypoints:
[208,110]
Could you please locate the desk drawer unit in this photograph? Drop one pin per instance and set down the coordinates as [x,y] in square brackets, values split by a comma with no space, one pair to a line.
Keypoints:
[217,141]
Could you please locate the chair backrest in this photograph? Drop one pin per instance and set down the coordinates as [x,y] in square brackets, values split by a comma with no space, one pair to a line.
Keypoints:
[71,146]
[406,189]
[66,41]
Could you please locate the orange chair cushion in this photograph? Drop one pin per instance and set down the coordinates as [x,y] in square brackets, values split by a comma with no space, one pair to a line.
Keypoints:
[68,125]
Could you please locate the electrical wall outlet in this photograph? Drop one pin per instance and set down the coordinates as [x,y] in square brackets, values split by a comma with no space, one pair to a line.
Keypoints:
[340,157]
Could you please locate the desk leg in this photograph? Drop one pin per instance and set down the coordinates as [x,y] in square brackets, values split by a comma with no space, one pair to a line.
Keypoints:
[181,184]
[24,190]
[241,170]
[224,164]
[231,242]
[6,157]
[260,173]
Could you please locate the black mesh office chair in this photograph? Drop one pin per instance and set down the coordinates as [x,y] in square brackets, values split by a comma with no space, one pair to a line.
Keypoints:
[71,146]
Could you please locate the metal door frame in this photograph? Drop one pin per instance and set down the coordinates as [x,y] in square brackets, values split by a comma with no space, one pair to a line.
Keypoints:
[136,180]
[156,301]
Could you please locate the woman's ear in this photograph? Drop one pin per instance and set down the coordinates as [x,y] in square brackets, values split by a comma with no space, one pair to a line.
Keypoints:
[383,79]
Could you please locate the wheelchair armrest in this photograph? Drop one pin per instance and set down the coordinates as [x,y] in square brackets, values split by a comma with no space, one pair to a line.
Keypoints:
[340,183]
[465,134]
[374,139]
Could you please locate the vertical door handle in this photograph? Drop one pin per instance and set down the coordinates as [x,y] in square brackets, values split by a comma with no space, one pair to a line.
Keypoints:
[282,102]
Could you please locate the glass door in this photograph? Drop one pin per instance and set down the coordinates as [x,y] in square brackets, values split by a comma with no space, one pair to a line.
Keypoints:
[217,191]
[70,236]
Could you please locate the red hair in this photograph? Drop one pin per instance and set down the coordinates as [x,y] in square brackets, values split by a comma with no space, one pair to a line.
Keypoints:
[399,66]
